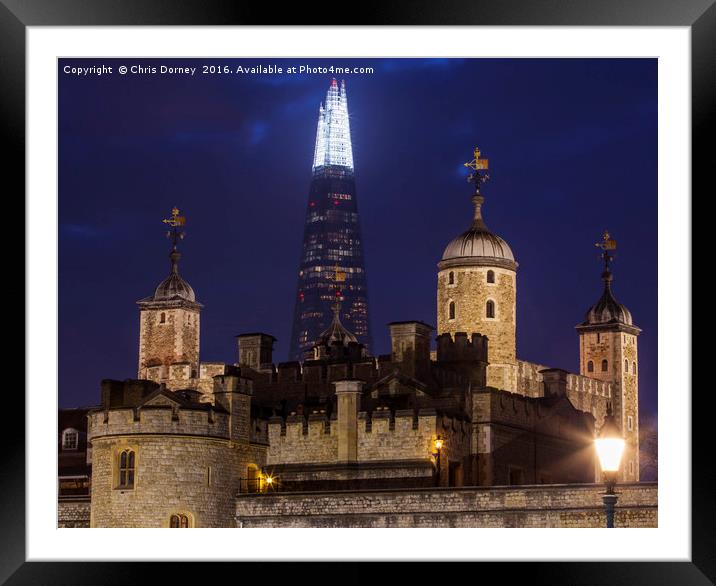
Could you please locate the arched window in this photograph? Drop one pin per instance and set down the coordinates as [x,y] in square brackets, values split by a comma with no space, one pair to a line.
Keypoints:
[490,276]
[605,366]
[633,367]
[490,309]
[70,439]
[126,469]
[626,365]
[162,317]
[451,278]
[451,310]
[590,366]
[179,522]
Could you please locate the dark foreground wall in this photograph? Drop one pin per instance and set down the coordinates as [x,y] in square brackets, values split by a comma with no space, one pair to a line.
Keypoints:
[558,505]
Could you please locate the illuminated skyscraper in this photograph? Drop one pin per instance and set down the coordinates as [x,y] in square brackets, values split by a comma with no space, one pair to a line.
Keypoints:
[332,267]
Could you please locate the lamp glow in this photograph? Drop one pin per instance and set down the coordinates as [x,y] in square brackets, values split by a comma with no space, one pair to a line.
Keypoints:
[438,444]
[609,450]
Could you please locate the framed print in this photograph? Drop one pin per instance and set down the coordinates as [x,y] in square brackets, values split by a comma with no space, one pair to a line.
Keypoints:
[486,359]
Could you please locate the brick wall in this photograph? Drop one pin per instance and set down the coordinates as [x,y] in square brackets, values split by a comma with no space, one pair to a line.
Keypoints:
[526,506]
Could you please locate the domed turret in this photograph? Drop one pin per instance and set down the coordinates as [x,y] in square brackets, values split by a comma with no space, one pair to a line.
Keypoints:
[478,245]
[174,286]
[337,341]
[607,310]
[477,288]
[169,320]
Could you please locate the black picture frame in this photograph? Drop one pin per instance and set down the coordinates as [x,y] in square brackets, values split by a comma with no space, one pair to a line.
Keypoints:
[16,15]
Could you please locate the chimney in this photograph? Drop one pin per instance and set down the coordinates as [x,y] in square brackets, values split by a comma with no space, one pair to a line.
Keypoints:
[256,351]
[555,382]
[410,347]
[233,393]
[348,392]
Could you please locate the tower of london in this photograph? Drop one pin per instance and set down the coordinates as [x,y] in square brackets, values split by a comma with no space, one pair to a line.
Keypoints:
[451,409]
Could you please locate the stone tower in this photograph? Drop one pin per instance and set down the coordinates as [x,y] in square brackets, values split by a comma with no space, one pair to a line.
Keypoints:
[608,352]
[477,289]
[169,323]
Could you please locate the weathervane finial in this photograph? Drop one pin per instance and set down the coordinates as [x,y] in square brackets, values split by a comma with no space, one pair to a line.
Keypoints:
[175,222]
[479,168]
[607,244]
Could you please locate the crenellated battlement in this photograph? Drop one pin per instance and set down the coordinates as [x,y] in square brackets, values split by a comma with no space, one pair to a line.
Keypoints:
[381,435]
[460,348]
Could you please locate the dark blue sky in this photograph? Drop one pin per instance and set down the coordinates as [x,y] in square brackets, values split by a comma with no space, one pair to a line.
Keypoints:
[572,145]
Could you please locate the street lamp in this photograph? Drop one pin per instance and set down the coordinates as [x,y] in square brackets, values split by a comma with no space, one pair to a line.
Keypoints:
[610,447]
[438,448]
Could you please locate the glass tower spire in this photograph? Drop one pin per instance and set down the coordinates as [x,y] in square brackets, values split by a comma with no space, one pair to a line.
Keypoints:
[332,269]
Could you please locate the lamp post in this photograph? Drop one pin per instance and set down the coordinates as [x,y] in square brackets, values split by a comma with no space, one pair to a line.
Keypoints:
[610,447]
[438,448]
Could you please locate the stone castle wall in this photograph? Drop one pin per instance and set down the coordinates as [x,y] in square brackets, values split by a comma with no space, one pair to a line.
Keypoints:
[470,293]
[406,438]
[176,340]
[73,512]
[524,506]
[185,463]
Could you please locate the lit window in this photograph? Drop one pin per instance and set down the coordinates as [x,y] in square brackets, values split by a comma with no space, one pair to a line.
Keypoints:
[451,278]
[451,310]
[490,309]
[605,366]
[179,522]
[126,469]
[590,366]
[70,438]
[490,276]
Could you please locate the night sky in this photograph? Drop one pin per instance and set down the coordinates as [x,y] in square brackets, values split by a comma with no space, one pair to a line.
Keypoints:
[572,145]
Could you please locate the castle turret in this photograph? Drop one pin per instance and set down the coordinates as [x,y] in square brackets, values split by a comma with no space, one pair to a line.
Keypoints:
[608,352]
[169,322]
[477,289]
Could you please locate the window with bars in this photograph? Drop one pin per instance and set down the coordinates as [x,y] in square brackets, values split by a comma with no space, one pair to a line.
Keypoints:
[70,439]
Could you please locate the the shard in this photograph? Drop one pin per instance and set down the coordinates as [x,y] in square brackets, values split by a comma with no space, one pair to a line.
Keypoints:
[332,267]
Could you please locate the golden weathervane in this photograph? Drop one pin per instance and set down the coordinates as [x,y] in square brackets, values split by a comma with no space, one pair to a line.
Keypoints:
[175,222]
[479,168]
[608,243]
[477,163]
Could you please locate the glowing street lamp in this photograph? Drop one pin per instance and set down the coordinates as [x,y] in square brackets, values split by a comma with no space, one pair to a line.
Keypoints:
[438,448]
[610,447]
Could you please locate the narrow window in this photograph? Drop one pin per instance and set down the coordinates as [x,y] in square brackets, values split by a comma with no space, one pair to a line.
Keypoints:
[605,366]
[126,469]
[626,366]
[451,278]
[631,466]
[598,337]
[630,423]
[633,367]
[490,276]
[451,310]
[69,439]
[590,366]
[490,309]
[162,318]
